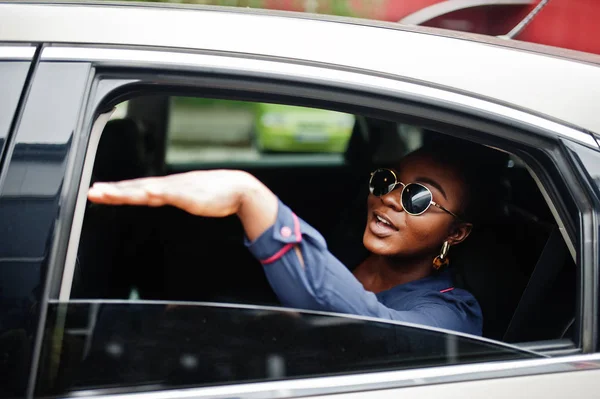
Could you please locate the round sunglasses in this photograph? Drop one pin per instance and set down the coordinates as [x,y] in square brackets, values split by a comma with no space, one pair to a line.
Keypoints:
[415,197]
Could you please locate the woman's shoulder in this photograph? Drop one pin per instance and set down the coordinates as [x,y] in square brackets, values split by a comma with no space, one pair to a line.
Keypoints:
[438,289]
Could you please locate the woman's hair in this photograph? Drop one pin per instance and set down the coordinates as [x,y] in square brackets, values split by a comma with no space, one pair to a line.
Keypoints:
[480,167]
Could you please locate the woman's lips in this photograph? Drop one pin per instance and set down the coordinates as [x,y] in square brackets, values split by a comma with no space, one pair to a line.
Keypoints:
[383,218]
[379,227]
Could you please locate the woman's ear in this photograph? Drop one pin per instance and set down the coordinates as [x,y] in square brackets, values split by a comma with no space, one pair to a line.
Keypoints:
[459,233]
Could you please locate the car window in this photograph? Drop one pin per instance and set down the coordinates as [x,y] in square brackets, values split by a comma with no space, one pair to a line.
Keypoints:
[331,197]
[143,265]
[112,347]
[205,131]
[12,75]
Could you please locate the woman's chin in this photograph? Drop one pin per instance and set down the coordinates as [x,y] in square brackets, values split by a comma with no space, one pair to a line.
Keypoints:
[377,245]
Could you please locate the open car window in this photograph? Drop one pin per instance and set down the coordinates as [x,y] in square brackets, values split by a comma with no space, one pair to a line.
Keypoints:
[112,346]
[158,283]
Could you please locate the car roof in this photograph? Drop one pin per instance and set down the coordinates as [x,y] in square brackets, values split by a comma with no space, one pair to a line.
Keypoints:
[547,81]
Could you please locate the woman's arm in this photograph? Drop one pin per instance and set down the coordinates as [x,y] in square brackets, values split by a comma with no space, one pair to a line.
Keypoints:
[214,193]
[302,272]
[305,275]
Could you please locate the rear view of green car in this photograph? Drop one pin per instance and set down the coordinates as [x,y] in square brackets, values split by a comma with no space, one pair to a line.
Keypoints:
[284,128]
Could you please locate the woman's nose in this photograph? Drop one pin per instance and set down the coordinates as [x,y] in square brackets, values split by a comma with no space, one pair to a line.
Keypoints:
[392,200]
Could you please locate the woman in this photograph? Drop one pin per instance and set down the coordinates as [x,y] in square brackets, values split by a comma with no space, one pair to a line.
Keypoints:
[417,211]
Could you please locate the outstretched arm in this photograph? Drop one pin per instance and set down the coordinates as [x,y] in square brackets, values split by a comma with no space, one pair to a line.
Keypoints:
[214,193]
[301,270]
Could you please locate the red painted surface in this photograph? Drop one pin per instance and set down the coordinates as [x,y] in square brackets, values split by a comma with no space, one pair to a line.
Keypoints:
[395,10]
[288,5]
[573,24]
[488,20]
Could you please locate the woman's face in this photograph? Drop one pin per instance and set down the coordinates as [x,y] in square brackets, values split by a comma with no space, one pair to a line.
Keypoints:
[423,235]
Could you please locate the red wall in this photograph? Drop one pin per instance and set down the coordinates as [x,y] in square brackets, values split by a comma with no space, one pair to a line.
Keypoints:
[573,24]
[487,20]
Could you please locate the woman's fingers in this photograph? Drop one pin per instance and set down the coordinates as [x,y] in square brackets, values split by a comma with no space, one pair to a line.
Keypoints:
[207,193]
[119,194]
[150,191]
[215,193]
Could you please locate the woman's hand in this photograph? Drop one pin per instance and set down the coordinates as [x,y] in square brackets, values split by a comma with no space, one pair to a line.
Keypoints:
[215,193]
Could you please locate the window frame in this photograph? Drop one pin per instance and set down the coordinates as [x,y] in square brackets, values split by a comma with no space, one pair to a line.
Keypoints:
[33,149]
[14,98]
[117,79]
[21,54]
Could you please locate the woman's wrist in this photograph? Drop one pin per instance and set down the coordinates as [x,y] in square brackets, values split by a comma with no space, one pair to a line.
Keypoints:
[257,208]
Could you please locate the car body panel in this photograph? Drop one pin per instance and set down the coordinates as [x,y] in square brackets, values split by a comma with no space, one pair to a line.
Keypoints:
[317,75]
[519,78]
[43,167]
[15,62]
[30,201]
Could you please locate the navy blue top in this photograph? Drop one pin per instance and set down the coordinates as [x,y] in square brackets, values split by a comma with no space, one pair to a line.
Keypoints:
[305,275]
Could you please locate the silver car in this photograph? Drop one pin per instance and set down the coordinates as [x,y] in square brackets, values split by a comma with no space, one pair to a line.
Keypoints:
[116,302]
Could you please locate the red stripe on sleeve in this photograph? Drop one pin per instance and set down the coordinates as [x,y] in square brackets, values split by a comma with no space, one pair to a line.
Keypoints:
[278,254]
[447,290]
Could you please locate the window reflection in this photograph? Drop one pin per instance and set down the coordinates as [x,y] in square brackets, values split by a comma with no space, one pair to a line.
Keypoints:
[203,130]
[149,345]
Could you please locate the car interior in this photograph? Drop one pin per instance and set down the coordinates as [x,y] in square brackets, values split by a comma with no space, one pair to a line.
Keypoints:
[516,262]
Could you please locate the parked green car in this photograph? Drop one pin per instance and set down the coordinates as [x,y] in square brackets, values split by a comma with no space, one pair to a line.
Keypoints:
[282,128]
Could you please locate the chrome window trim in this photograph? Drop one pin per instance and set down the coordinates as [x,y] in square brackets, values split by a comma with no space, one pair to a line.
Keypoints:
[326,76]
[76,226]
[17,53]
[369,381]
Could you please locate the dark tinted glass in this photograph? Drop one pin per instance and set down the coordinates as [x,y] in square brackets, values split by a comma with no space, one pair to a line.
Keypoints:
[382,182]
[12,76]
[149,346]
[415,198]
[30,202]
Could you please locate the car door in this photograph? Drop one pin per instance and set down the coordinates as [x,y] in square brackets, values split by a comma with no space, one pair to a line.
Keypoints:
[33,172]
[93,91]
[15,65]
[15,62]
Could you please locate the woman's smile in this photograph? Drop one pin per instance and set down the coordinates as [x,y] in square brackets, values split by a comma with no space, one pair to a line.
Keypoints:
[381,225]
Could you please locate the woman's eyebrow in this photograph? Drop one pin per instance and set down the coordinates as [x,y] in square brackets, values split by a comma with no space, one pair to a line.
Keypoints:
[433,183]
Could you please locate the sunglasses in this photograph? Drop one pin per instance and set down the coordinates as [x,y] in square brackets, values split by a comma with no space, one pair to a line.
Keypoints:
[415,197]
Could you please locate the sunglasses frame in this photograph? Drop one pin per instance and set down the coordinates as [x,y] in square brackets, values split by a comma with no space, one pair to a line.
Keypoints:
[397,183]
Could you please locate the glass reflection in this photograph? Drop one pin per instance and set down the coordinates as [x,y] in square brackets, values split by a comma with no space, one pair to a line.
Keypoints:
[149,345]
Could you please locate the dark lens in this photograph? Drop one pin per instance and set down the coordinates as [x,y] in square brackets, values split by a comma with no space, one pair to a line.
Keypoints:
[415,198]
[382,182]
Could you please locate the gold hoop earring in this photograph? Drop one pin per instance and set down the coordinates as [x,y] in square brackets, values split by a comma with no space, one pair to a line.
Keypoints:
[442,259]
